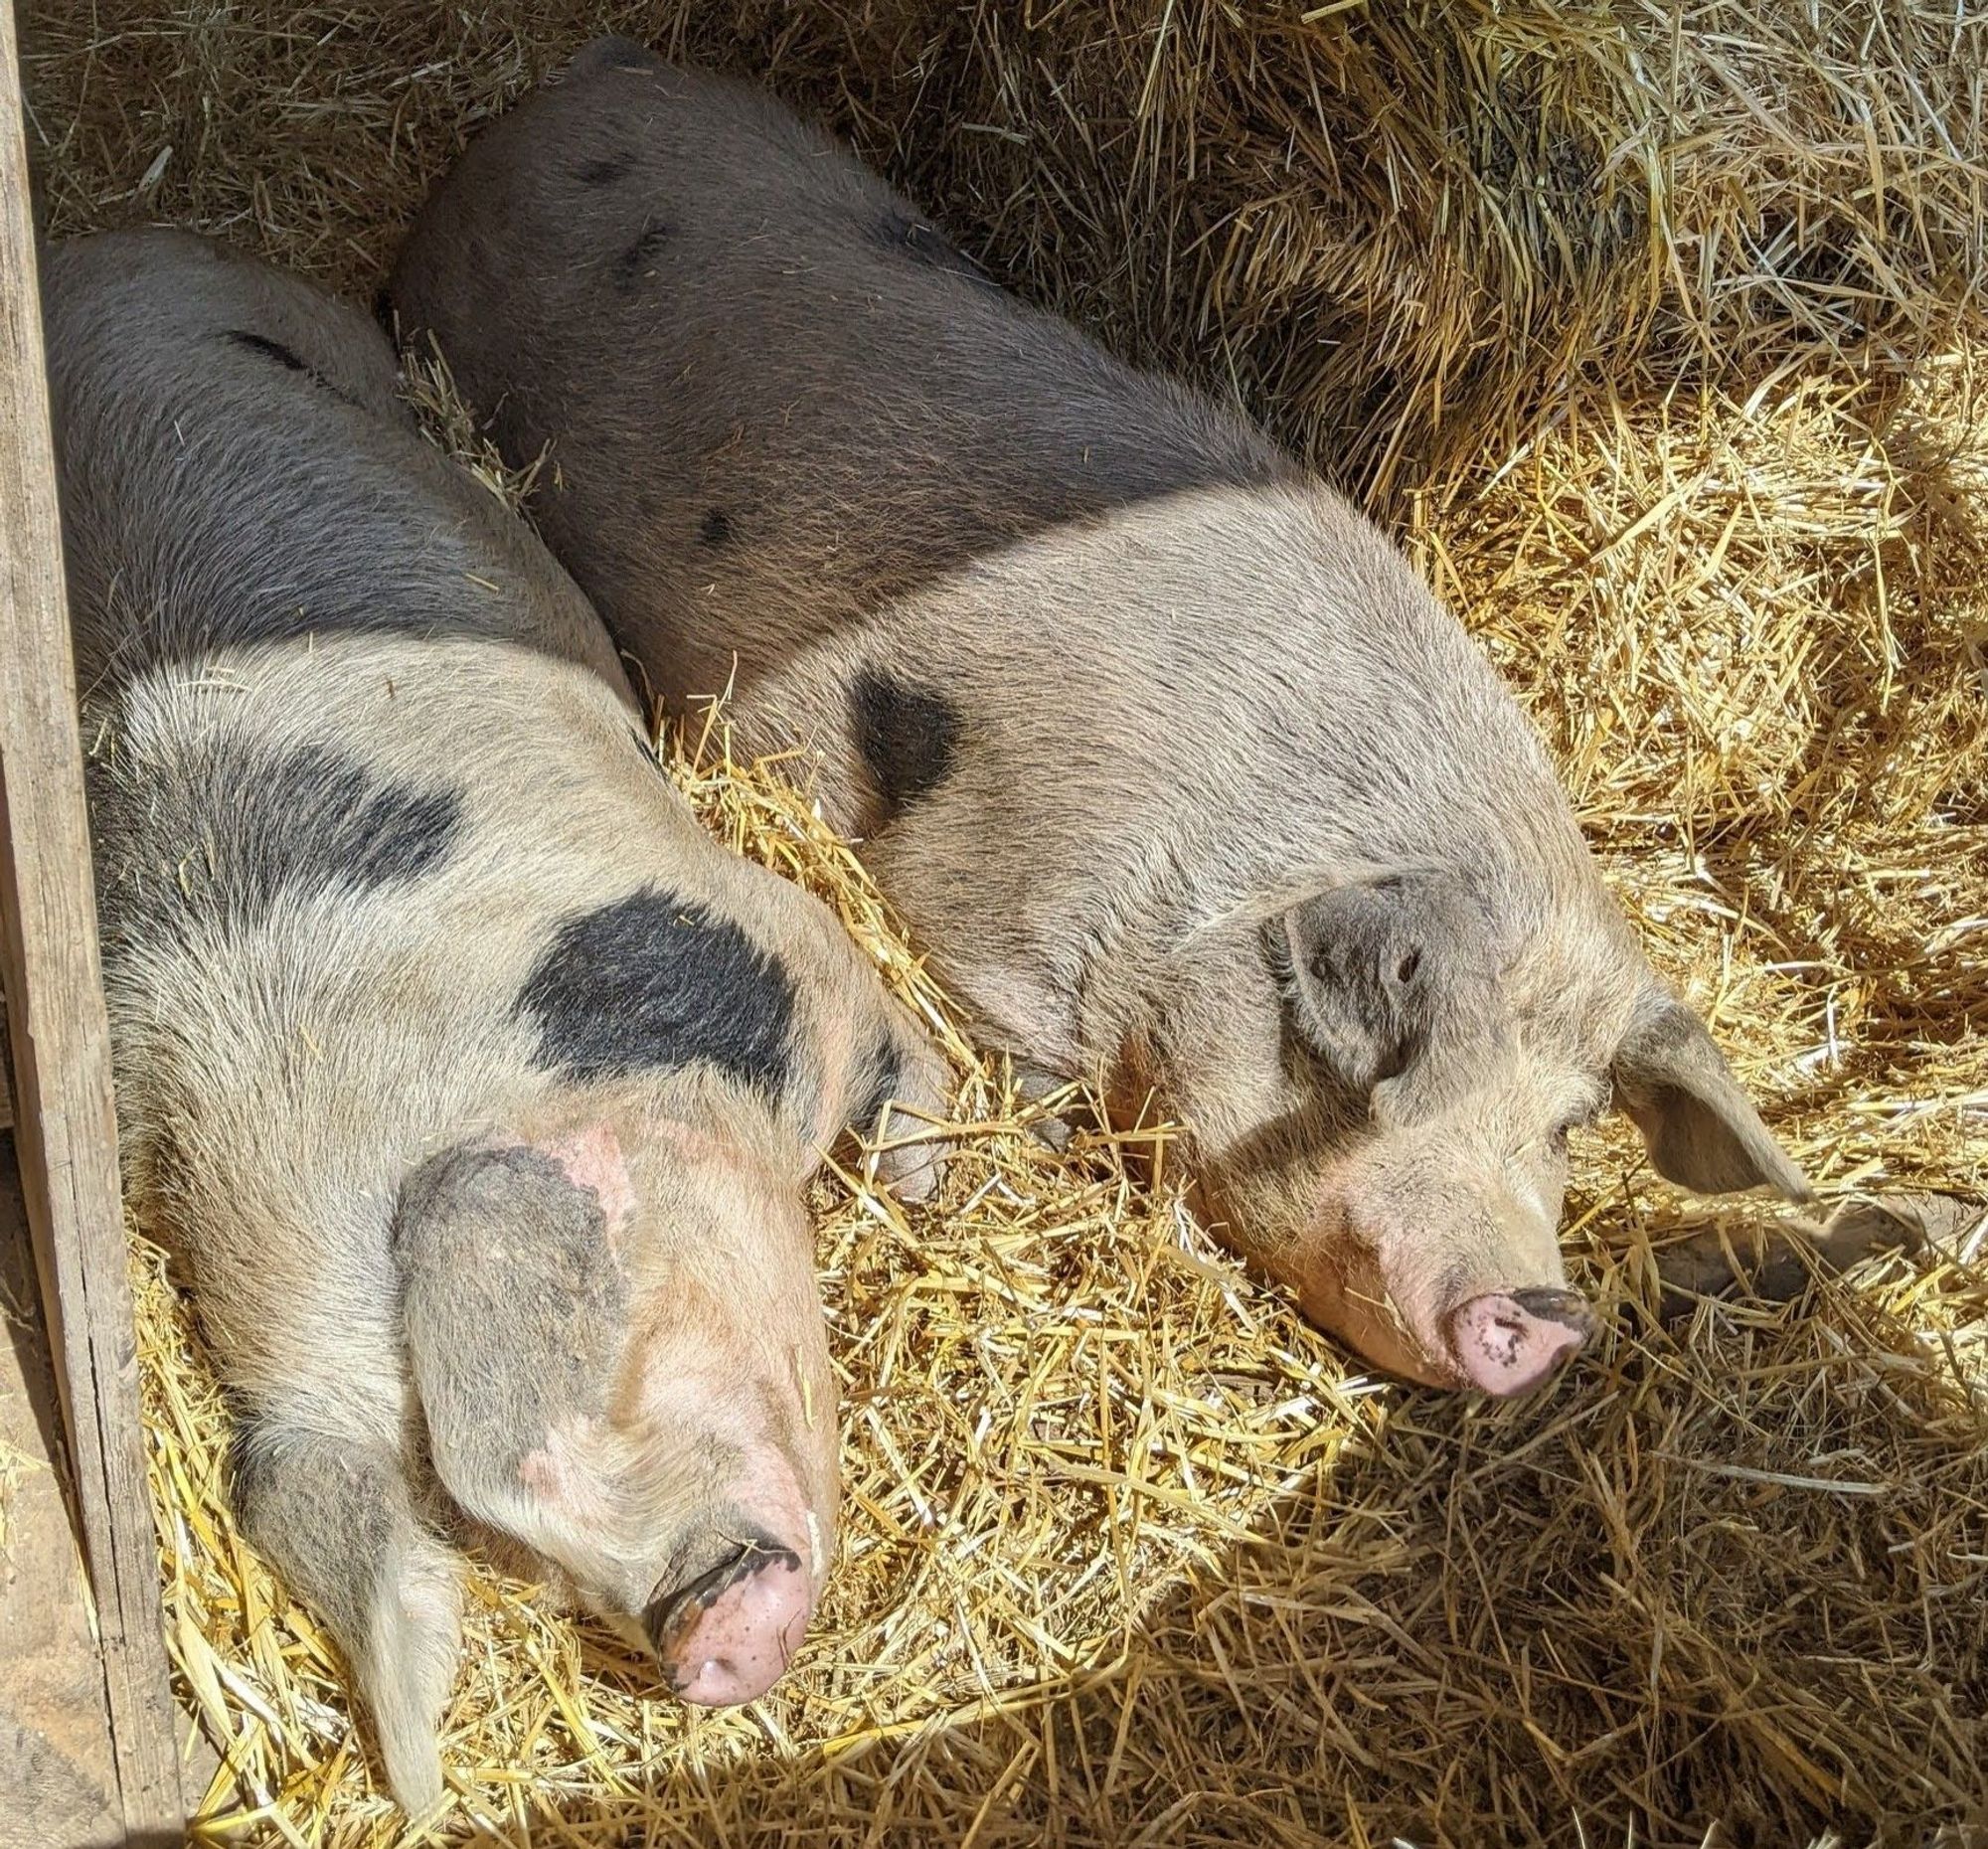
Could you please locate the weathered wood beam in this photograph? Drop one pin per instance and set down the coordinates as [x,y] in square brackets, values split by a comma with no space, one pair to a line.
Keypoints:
[66,1129]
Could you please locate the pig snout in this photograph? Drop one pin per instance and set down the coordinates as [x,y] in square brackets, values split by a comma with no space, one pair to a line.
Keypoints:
[1445,1285]
[1509,1340]
[727,1634]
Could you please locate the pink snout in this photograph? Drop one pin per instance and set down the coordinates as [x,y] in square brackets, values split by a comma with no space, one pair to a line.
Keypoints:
[729,1636]
[1508,1341]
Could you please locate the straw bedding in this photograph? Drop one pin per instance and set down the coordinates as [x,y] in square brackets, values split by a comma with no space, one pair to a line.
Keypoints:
[1655,335]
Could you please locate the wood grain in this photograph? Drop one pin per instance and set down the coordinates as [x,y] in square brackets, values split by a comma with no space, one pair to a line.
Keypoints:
[65,1127]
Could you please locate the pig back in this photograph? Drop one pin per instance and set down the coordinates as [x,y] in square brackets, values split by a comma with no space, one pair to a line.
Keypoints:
[777,399]
[1074,757]
[285,600]
[236,468]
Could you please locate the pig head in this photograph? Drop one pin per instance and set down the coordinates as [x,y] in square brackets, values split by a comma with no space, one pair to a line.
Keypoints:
[1381,1082]
[615,1342]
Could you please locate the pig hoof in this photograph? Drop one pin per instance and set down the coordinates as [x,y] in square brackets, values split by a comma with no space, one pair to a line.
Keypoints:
[729,1636]
[1052,1133]
[910,1169]
[1036,1084]
[1509,1341]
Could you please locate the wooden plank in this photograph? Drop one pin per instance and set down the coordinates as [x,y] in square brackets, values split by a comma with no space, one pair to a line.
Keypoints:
[58,1774]
[66,1125]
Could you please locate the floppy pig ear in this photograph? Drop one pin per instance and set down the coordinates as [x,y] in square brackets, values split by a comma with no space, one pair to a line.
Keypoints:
[1395,974]
[1701,1128]
[514,1305]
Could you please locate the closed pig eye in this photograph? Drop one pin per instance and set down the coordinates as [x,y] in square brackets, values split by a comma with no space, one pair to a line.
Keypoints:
[1574,1120]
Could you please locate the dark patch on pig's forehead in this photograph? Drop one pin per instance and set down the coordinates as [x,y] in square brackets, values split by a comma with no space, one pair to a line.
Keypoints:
[656,982]
[231,828]
[909,735]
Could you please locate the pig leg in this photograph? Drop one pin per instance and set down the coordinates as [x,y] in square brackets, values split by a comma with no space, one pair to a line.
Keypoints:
[880,1074]
[1773,1263]
[330,1512]
[910,1161]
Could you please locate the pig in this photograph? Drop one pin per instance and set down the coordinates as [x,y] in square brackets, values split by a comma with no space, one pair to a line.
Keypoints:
[1180,775]
[471,1083]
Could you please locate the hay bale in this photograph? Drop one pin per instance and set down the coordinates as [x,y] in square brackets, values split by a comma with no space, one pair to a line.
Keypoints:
[1131,1556]
[1399,234]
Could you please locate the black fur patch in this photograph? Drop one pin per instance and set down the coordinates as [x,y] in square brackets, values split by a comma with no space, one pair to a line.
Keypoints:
[908,735]
[237,828]
[273,349]
[284,356]
[926,244]
[654,982]
[887,1073]
[605,172]
[715,529]
[646,746]
[639,258]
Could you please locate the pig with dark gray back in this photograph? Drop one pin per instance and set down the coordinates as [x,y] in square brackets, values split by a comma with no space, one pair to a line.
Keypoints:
[472,1082]
[1164,752]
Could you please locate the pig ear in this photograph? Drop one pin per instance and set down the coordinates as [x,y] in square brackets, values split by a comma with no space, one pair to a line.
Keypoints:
[514,1306]
[1700,1127]
[1396,977]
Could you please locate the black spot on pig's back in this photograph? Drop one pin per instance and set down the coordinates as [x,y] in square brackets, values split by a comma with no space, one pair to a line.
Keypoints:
[908,734]
[268,348]
[638,260]
[604,169]
[229,830]
[281,355]
[654,982]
